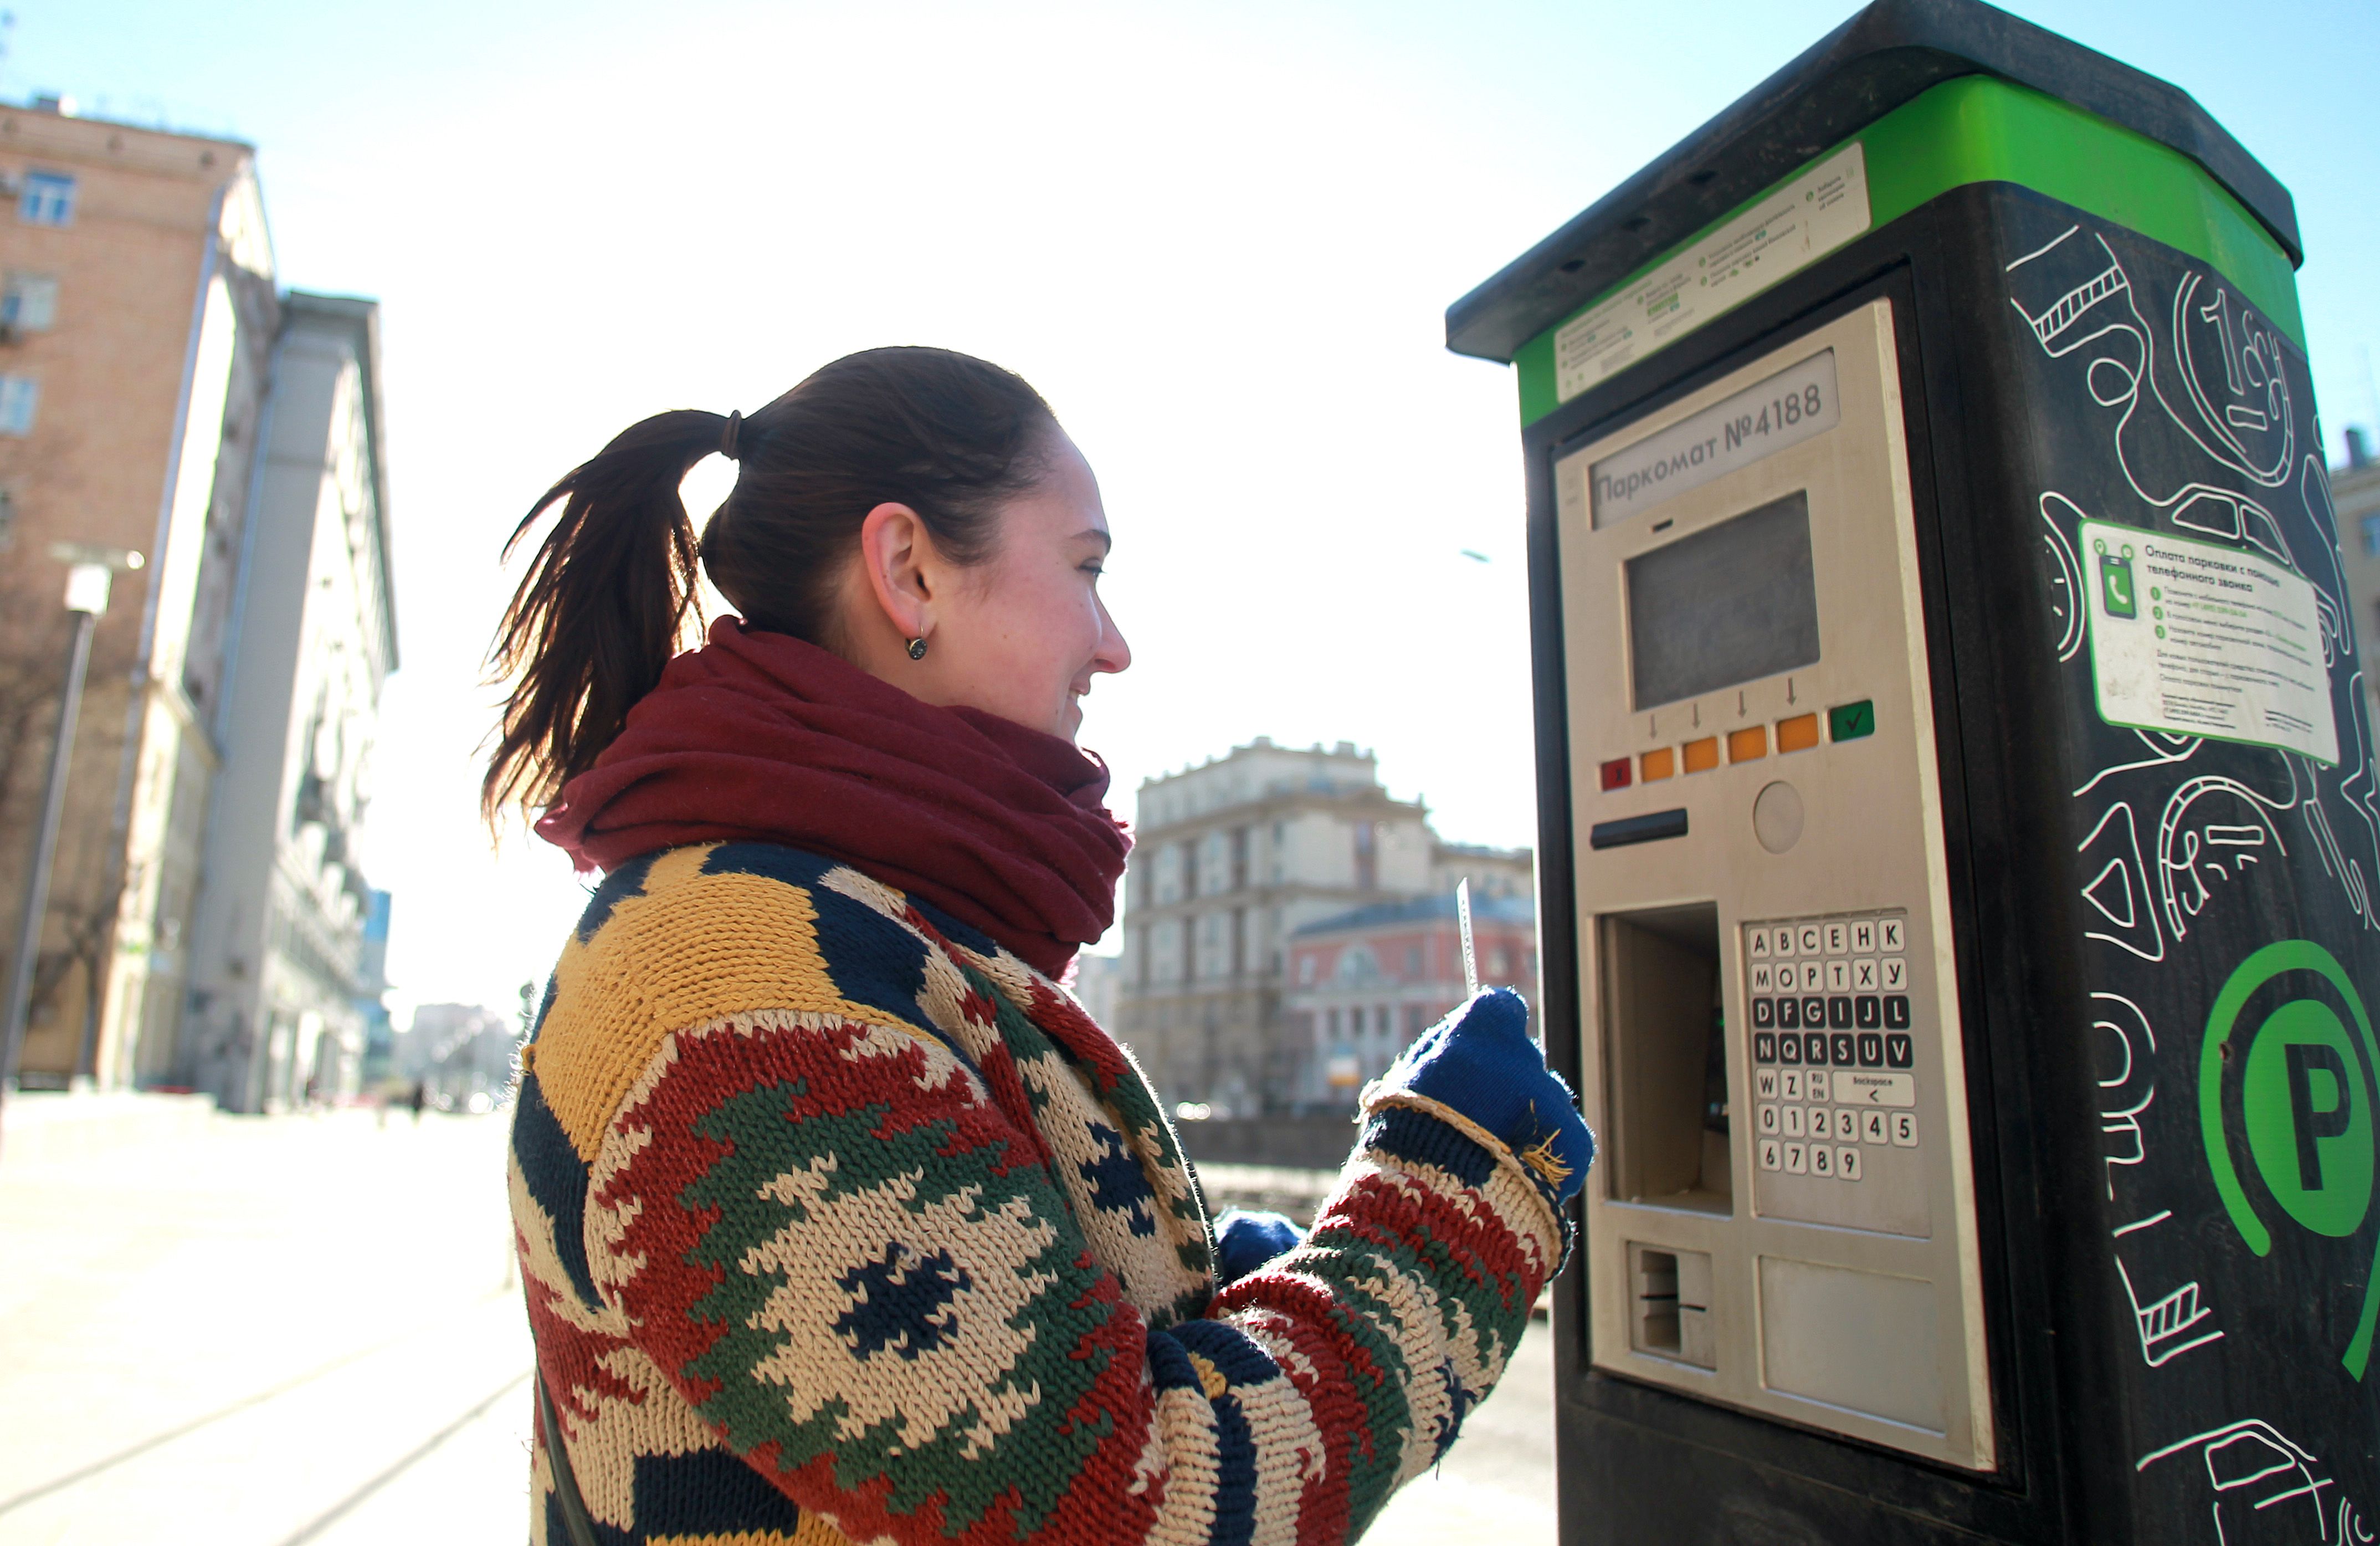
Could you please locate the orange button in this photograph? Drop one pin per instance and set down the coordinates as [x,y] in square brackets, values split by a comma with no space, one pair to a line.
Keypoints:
[1660,762]
[1743,746]
[1702,756]
[1798,734]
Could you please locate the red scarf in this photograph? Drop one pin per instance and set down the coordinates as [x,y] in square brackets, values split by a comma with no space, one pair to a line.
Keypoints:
[762,738]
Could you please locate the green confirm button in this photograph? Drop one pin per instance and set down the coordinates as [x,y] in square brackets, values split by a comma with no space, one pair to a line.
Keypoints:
[1851,720]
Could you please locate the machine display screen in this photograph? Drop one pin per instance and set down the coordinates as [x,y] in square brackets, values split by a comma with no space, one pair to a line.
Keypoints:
[1731,602]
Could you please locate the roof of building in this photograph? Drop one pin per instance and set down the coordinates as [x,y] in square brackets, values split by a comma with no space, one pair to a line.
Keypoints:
[1422,909]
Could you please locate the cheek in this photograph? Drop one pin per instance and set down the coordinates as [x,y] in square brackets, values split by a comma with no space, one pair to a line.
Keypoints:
[1049,630]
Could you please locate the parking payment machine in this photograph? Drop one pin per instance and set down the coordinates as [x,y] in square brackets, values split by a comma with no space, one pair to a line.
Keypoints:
[1960,859]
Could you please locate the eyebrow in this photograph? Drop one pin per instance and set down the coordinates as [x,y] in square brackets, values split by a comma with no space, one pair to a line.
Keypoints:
[1107,543]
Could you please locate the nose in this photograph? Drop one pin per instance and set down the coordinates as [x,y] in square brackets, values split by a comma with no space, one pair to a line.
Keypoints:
[1113,654]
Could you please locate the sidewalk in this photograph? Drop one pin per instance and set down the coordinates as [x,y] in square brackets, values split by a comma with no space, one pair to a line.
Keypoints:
[272,1331]
[300,1330]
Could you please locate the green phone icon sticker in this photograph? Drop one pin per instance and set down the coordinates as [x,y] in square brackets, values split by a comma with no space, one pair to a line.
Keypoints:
[2116,584]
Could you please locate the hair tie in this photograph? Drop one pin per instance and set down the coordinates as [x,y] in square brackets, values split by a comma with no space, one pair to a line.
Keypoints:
[727,436]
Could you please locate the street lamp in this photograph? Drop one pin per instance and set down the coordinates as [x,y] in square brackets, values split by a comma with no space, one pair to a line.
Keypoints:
[89,572]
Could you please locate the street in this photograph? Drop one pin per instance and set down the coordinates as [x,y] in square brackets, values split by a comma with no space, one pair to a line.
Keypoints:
[297,1330]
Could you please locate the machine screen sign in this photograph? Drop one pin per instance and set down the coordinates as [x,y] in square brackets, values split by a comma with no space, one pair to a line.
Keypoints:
[1729,604]
[1763,419]
[2196,639]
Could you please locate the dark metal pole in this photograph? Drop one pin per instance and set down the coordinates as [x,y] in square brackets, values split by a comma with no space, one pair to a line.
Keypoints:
[45,848]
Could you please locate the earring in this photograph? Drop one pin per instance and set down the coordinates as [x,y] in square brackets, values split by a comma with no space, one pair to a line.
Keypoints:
[917,649]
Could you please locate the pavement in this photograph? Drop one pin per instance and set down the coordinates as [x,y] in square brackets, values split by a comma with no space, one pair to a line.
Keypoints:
[304,1330]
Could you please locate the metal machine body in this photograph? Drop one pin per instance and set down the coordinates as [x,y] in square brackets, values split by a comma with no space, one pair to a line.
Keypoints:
[1959,866]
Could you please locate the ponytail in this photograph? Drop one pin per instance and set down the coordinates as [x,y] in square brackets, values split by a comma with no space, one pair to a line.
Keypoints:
[598,614]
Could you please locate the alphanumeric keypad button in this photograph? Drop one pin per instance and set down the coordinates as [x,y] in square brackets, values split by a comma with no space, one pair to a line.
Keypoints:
[1764,1046]
[1838,1013]
[1788,1046]
[1900,1050]
[1789,1014]
[1763,1012]
[1813,1048]
[1814,1011]
[1896,1011]
[1871,1050]
[1867,1012]
[1839,1049]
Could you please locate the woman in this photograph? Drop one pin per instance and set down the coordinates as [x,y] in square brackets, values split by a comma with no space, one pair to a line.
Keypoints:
[838,1219]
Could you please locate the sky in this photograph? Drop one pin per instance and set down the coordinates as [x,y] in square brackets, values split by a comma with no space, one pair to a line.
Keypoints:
[1220,239]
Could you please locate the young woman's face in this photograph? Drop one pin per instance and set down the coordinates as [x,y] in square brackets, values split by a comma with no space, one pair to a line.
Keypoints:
[1020,635]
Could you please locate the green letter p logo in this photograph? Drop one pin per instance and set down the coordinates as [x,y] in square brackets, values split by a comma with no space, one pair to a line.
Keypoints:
[2306,1101]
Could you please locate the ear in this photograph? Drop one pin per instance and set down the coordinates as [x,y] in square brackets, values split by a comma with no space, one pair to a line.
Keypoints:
[895,553]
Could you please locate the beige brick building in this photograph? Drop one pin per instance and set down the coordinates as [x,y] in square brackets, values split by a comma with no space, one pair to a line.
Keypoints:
[2355,491]
[137,319]
[1231,857]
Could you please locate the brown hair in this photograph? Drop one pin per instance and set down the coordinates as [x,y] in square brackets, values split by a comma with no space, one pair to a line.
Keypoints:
[598,615]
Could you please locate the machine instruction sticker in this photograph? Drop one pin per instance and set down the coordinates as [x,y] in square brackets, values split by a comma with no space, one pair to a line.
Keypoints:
[1785,230]
[2194,640]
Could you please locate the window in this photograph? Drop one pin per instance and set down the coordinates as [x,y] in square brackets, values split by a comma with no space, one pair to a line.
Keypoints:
[48,199]
[1413,1021]
[20,397]
[2371,525]
[1412,960]
[28,302]
[7,520]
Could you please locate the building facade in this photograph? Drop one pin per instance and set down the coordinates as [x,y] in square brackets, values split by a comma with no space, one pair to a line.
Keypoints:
[137,320]
[1233,858]
[2355,494]
[462,1054]
[1363,984]
[282,990]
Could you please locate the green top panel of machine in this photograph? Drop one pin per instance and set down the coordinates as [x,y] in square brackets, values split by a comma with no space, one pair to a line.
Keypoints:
[1911,99]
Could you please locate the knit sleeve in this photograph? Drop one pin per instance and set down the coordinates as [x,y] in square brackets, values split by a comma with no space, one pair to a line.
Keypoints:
[865,1281]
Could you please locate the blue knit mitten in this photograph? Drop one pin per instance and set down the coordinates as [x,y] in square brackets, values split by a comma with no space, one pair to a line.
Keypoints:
[1480,1063]
[1246,1238]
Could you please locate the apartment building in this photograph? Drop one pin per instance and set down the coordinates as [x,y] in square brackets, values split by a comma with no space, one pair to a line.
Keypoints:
[2355,494]
[137,318]
[1234,856]
[1363,984]
[283,991]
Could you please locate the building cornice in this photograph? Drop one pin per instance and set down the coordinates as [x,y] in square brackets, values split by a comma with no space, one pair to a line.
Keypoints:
[36,133]
[1267,807]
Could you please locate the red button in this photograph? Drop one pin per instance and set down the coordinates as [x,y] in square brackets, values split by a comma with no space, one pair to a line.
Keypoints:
[1616,773]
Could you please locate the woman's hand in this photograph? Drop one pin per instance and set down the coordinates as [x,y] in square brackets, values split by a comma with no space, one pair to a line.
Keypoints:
[1479,1063]
[1246,1238]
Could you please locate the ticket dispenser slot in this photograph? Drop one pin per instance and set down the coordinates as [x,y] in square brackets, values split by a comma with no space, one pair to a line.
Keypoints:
[1784,1221]
[1665,1040]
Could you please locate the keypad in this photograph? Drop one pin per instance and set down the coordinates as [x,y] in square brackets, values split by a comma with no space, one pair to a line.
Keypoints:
[1833,1047]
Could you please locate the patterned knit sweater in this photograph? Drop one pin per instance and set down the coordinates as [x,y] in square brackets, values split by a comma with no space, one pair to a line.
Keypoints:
[838,1223]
